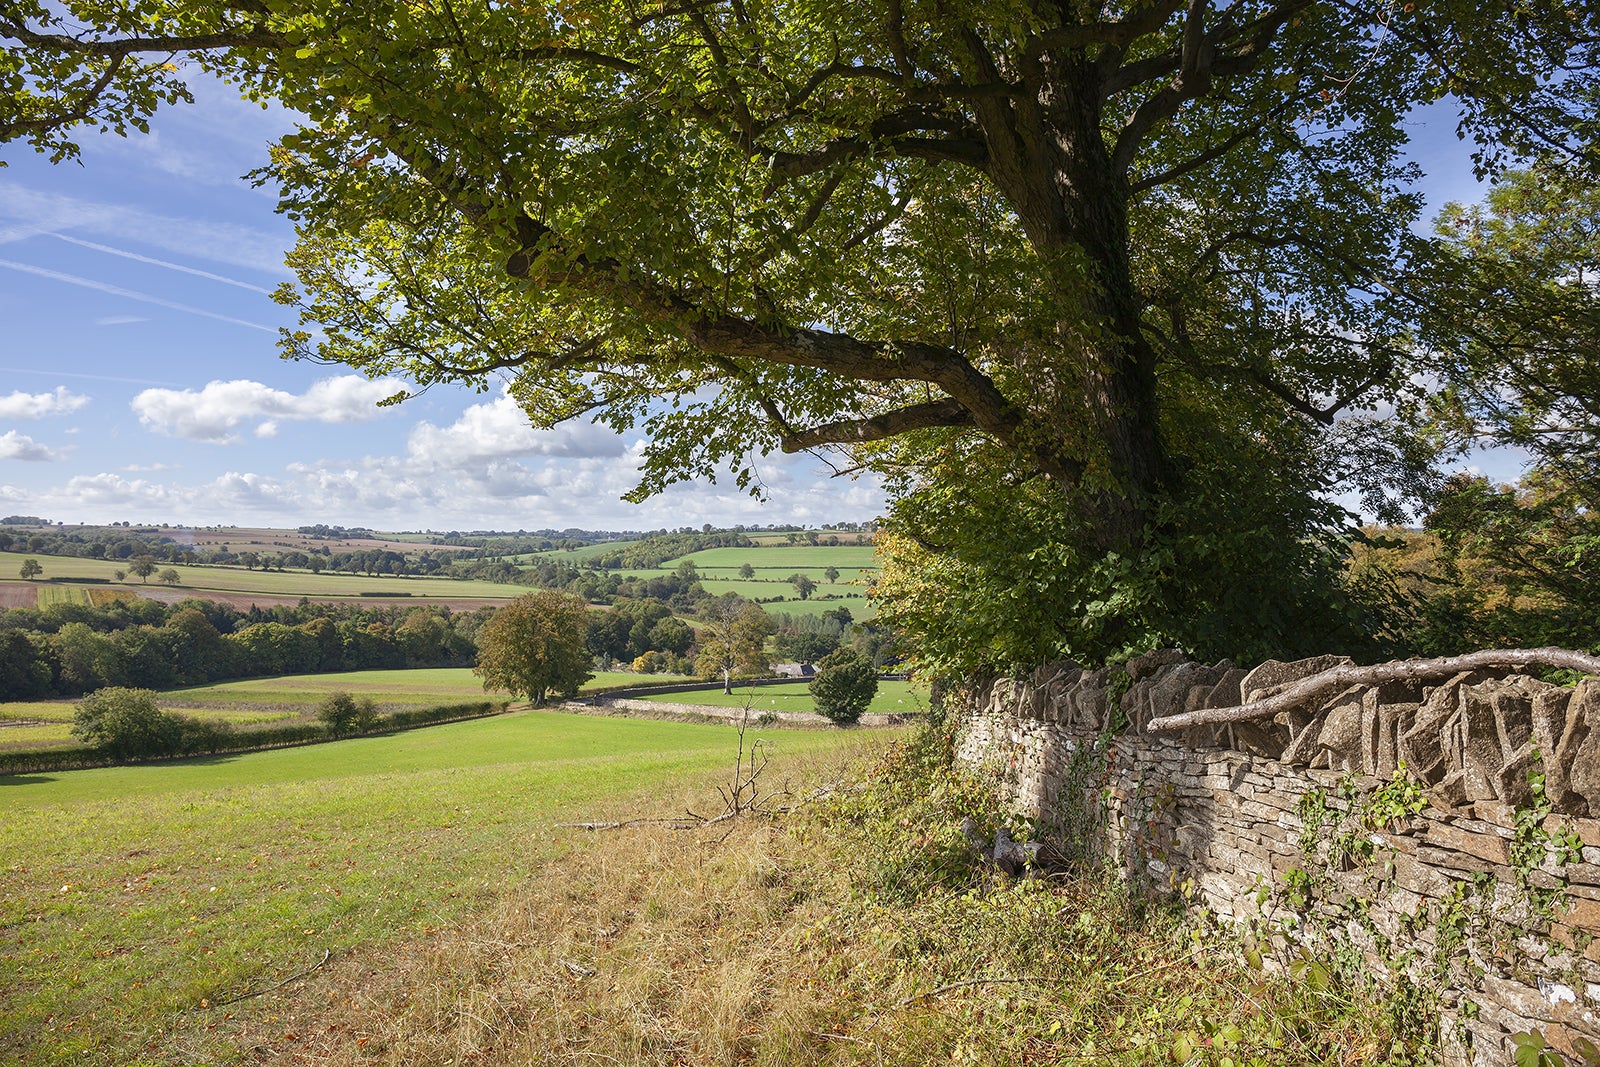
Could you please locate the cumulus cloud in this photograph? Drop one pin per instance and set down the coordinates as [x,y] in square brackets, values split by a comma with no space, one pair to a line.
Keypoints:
[500,430]
[20,405]
[220,408]
[14,445]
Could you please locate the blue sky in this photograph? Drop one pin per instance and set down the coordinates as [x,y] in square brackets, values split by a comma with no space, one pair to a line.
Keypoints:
[139,378]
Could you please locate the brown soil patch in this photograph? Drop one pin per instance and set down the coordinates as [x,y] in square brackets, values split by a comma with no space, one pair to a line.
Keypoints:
[18,595]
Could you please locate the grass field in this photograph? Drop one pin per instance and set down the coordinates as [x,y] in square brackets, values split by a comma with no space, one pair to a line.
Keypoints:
[136,898]
[257,700]
[892,697]
[785,558]
[201,580]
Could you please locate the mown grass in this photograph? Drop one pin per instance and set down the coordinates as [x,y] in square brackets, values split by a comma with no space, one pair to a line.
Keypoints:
[136,900]
[892,697]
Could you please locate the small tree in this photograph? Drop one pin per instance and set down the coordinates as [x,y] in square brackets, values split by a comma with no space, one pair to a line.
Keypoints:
[534,646]
[127,724]
[803,584]
[747,571]
[31,569]
[732,639]
[832,574]
[344,715]
[168,577]
[143,567]
[845,684]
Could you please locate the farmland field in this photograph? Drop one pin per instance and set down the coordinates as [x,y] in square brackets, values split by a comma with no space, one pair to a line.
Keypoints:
[234,582]
[257,700]
[139,901]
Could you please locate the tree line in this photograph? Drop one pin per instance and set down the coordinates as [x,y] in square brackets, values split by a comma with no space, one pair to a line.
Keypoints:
[71,649]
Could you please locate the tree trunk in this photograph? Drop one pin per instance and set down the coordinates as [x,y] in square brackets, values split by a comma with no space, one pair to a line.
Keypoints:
[1050,158]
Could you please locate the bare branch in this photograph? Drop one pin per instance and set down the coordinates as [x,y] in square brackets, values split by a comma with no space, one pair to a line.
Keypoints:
[1339,678]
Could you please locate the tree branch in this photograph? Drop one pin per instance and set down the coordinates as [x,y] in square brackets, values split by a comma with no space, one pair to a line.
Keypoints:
[1343,677]
[932,414]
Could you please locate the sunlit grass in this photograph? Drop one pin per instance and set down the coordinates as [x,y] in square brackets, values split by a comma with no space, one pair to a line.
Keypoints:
[134,897]
[892,697]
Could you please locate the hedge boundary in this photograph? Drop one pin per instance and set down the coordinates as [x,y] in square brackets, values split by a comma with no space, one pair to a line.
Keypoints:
[252,739]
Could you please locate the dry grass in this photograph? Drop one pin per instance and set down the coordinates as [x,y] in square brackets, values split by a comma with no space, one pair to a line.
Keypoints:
[773,944]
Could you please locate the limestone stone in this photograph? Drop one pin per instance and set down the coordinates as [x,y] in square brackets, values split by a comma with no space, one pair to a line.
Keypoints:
[1226,693]
[1584,775]
[1489,847]
[1273,675]
[1514,786]
[1341,733]
[1150,662]
[1266,739]
[1481,755]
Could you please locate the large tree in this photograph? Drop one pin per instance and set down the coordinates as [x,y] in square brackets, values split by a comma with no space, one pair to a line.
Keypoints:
[1139,274]
[533,646]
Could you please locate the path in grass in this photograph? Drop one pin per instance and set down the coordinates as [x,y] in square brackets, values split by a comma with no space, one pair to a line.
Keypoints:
[134,897]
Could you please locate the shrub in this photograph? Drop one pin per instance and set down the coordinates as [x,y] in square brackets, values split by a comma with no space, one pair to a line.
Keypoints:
[845,684]
[125,724]
[343,715]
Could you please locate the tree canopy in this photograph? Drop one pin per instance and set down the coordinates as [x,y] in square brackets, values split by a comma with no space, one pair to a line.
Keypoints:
[533,646]
[1132,285]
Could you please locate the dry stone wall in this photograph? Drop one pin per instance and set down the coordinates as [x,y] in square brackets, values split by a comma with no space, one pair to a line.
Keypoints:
[1448,833]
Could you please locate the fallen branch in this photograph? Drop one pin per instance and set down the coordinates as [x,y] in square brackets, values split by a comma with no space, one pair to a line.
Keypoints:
[675,823]
[1028,979]
[327,954]
[1339,678]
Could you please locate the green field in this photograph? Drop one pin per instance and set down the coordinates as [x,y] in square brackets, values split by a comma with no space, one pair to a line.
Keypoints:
[136,897]
[892,697]
[199,580]
[258,700]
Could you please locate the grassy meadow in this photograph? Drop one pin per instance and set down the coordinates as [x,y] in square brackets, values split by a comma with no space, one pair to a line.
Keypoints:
[139,901]
[44,723]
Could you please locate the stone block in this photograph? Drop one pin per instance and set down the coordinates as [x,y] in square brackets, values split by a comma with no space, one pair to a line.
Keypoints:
[1481,754]
[1583,774]
[1514,785]
[1275,675]
[1580,913]
[1266,739]
[1490,848]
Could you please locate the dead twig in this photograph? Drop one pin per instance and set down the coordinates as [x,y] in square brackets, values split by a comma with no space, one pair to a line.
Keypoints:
[742,795]
[1028,979]
[327,954]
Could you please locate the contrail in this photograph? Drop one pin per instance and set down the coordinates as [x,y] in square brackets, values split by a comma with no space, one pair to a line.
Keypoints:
[88,377]
[161,263]
[114,290]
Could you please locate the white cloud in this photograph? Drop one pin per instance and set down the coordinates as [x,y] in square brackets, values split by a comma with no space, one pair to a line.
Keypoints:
[216,411]
[500,430]
[20,405]
[14,445]
[119,320]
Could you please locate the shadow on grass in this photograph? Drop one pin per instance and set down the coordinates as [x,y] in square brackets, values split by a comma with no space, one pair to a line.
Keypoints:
[25,779]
